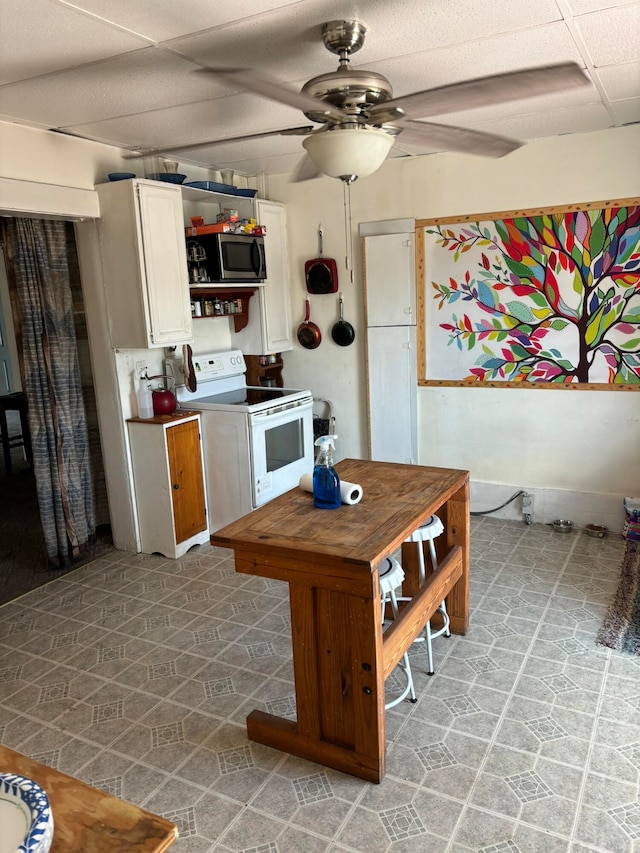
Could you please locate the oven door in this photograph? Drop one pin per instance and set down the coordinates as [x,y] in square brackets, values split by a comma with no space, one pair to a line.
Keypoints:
[281,449]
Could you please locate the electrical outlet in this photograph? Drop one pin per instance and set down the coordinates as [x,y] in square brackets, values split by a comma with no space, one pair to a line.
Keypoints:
[141,368]
[527,507]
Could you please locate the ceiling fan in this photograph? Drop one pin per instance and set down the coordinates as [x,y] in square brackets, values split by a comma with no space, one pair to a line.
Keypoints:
[360,120]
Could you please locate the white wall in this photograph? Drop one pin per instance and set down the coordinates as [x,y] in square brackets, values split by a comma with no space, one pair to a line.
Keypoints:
[581,455]
[576,450]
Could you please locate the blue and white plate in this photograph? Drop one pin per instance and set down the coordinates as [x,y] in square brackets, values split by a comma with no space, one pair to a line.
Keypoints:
[25,816]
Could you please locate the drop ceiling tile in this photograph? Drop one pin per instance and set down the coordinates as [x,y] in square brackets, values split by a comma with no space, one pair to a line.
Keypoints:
[440,23]
[581,7]
[192,123]
[275,164]
[246,149]
[38,37]
[143,80]
[613,35]
[161,20]
[510,52]
[287,42]
[620,81]
[579,119]
[627,111]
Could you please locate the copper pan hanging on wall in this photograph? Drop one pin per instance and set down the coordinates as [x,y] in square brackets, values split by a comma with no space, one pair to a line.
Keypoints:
[309,335]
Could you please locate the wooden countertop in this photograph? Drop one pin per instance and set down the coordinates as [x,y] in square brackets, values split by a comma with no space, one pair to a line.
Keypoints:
[174,417]
[87,820]
[396,499]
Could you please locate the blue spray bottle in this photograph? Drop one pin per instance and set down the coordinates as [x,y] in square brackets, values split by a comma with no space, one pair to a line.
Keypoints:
[326,483]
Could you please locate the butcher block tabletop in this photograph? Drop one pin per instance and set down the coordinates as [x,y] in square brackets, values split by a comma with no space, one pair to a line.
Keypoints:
[88,820]
[396,499]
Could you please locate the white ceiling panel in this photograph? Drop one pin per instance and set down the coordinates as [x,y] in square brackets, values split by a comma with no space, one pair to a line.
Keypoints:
[557,123]
[162,20]
[287,43]
[530,49]
[628,111]
[193,123]
[620,81]
[581,7]
[145,80]
[612,36]
[120,72]
[38,37]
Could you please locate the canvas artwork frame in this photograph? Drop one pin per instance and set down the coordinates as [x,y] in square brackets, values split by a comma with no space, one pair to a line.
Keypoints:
[535,298]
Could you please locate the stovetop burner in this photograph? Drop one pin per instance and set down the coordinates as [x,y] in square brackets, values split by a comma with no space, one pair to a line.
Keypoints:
[247,396]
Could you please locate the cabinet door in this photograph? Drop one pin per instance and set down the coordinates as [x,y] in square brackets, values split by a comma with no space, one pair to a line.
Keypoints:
[165,264]
[144,264]
[390,290]
[187,486]
[274,296]
[391,387]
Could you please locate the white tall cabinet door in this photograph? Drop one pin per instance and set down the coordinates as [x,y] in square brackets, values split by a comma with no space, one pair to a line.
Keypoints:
[269,327]
[391,386]
[389,286]
[390,291]
[144,263]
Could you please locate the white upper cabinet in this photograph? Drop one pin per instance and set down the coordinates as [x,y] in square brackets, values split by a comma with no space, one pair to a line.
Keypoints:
[144,264]
[269,327]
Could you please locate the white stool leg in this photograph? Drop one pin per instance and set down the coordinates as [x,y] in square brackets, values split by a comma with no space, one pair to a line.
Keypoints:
[405,665]
[391,577]
[427,628]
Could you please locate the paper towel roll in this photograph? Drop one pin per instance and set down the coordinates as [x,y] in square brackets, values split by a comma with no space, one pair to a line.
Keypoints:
[350,493]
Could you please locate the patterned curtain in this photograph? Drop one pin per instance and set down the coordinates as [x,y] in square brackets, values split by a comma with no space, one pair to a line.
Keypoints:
[39,275]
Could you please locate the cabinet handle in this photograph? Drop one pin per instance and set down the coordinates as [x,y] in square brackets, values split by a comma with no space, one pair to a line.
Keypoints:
[176,486]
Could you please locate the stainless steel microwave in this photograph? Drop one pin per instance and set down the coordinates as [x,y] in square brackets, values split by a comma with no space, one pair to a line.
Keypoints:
[232,257]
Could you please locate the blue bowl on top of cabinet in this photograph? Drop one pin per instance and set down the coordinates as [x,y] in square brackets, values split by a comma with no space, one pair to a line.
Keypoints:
[168,177]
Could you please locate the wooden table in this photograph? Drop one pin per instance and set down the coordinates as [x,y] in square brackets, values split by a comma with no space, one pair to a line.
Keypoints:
[330,560]
[87,820]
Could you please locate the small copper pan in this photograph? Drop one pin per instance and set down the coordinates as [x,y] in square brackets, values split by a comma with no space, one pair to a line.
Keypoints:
[309,335]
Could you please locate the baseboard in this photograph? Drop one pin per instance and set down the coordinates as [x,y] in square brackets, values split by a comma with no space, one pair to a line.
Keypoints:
[549,504]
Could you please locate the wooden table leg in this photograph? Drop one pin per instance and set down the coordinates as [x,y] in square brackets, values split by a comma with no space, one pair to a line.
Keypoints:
[338,669]
[457,529]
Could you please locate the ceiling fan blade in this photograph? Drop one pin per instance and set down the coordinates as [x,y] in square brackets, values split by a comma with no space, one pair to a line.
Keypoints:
[456,139]
[267,87]
[306,170]
[171,149]
[485,91]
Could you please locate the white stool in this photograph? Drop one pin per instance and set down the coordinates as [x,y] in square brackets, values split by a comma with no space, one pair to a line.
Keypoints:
[427,532]
[391,575]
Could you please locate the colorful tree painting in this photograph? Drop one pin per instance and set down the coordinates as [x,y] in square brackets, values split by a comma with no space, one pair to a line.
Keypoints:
[548,298]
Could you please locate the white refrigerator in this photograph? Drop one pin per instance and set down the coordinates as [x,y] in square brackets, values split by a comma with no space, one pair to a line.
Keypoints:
[390,310]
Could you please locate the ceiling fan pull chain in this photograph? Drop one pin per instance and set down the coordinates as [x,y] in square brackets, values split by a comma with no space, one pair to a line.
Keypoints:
[347,227]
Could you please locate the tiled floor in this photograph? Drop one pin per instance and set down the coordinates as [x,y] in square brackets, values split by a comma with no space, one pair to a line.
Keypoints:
[135,673]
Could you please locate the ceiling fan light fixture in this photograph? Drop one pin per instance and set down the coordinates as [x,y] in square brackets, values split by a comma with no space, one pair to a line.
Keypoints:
[350,152]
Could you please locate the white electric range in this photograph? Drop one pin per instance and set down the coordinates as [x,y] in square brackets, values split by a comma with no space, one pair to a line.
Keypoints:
[257,441]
